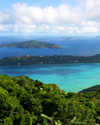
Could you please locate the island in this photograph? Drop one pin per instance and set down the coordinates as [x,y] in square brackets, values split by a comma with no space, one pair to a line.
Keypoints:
[55,59]
[31,44]
[68,38]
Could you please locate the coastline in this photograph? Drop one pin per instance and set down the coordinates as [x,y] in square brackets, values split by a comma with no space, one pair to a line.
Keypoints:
[55,59]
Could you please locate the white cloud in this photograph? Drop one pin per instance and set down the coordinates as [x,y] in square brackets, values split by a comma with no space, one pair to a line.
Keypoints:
[43,28]
[92,11]
[49,15]
[90,29]
[6,18]
[4,28]
[81,18]
[58,29]
[23,28]
[68,15]
[27,15]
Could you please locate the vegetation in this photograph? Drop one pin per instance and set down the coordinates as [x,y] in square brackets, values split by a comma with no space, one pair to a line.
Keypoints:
[24,101]
[31,44]
[93,88]
[56,59]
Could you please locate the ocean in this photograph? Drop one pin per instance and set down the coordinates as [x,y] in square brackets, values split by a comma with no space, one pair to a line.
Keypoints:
[70,77]
[76,46]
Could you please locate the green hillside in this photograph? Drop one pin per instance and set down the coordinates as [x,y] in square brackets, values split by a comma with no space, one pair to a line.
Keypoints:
[24,101]
[56,59]
[31,44]
[93,88]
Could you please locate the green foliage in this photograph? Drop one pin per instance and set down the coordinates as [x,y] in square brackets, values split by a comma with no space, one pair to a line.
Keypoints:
[31,44]
[55,59]
[24,101]
[93,88]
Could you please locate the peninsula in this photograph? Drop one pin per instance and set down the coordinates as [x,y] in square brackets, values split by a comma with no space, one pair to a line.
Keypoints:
[31,44]
[56,59]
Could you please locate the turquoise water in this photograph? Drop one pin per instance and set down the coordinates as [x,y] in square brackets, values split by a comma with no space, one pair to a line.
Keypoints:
[70,77]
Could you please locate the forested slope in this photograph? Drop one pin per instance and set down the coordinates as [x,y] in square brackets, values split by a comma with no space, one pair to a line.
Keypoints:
[55,59]
[31,44]
[92,88]
[24,101]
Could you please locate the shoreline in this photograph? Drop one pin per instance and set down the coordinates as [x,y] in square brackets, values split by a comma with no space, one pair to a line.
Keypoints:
[54,59]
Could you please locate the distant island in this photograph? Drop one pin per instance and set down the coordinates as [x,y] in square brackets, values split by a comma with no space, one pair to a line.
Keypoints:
[68,38]
[56,59]
[31,44]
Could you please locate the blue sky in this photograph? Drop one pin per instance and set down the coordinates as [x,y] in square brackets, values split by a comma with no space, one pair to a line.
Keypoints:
[50,17]
[42,3]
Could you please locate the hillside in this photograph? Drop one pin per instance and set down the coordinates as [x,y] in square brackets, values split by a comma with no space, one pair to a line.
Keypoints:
[93,88]
[24,101]
[56,59]
[31,44]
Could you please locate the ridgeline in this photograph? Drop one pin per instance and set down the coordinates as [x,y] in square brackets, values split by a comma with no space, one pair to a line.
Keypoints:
[31,44]
[24,101]
[56,59]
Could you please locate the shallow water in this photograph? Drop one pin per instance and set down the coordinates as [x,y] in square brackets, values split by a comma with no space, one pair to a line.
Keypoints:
[70,77]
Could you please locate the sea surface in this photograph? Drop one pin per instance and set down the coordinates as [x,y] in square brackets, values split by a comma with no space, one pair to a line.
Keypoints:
[76,46]
[70,77]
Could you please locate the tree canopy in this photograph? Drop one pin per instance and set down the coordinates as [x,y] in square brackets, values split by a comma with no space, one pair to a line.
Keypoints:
[24,101]
[31,44]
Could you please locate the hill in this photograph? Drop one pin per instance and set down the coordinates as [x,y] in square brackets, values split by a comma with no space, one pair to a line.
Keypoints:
[56,59]
[93,88]
[24,101]
[31,44]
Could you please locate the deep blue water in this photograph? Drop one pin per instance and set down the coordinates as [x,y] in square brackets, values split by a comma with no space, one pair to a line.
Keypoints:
[70,77]
[78,46]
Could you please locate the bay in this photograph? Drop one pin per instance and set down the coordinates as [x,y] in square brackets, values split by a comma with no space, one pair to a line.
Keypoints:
[70,77]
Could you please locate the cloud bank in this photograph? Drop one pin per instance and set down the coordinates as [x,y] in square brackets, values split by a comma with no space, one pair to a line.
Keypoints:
[82,18]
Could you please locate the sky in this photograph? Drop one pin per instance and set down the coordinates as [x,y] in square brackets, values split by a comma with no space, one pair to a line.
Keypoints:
[50,17]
